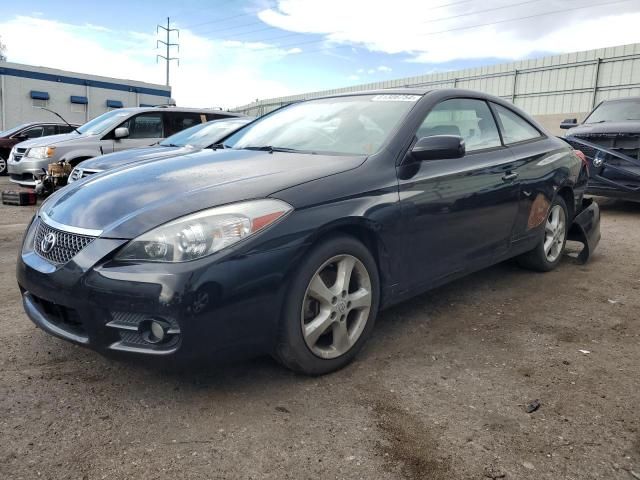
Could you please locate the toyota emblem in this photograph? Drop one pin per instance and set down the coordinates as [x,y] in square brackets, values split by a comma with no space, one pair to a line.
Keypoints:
[48,242]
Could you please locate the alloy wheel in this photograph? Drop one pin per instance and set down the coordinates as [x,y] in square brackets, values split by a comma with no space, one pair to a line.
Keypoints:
[554,233]
[336,306]
[3,166]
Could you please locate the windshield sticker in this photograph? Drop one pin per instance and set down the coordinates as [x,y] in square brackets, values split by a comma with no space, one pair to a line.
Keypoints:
[395,98]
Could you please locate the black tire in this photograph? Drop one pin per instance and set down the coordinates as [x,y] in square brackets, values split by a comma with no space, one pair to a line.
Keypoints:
[537,259]
[291,348]
[4,167]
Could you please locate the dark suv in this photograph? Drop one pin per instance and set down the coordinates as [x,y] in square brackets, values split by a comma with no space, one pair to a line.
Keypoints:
[27,131]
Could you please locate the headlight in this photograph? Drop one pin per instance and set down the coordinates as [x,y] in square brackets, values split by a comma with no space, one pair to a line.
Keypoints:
[41,152]
[206,232]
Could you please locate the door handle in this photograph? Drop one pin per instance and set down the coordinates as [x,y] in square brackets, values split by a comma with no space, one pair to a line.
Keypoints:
[510,176]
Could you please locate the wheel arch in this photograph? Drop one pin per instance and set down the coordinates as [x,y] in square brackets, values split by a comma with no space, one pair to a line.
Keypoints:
[566,193]
[368,233]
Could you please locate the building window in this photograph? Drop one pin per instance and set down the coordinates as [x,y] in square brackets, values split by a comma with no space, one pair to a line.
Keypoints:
[78,108]
[39,99]
[78,103]
[37,102]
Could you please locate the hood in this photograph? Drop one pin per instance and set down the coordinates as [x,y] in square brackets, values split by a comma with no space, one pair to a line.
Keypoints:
[606,128]
[118,159]
[126,202]
[51,140]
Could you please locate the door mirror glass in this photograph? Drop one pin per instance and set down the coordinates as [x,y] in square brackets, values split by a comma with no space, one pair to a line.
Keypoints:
[439,147]
[568,123]
[121,132]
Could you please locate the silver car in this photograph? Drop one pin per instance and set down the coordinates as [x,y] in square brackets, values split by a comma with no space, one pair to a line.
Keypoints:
[112,131]
[205,135]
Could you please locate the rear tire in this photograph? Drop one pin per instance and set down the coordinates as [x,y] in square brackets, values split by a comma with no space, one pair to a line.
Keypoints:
[4,167]
[548,252]
[331,307]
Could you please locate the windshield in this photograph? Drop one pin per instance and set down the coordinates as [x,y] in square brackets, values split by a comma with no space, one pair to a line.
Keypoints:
[205,134]
[356,125]
[103,122]
[13,130]
[615,112]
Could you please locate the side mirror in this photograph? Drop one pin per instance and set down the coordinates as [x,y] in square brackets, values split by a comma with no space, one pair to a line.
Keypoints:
[568,123]
[439,147]
[121,132]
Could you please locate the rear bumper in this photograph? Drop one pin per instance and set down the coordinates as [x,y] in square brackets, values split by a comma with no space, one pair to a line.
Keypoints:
[586,229]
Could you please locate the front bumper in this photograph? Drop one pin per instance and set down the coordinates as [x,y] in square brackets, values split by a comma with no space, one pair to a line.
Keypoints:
[586,229]
[22,172]
[226,309]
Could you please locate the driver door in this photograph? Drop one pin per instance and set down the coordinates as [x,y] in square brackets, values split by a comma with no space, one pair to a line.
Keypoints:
[458,214]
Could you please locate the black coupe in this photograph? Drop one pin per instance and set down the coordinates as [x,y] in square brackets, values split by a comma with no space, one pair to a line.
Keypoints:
[291,238]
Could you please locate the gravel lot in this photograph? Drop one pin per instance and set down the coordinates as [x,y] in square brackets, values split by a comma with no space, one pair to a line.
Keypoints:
[439,392]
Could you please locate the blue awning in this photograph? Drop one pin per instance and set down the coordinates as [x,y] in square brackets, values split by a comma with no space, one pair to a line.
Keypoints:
[114,104]
[39,95]
[79,99]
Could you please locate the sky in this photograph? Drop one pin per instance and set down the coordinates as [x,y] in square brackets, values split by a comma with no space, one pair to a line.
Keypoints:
[233,52]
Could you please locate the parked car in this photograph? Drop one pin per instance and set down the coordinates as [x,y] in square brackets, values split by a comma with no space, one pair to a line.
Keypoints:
[204,135]
[26,131]
[113,131]
[311,219]
[610,138]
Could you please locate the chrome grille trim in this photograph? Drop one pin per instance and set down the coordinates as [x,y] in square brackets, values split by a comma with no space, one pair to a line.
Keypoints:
[67,244]
[88,232]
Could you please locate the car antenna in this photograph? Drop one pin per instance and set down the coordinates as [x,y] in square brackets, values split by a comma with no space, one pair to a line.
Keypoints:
[60,117]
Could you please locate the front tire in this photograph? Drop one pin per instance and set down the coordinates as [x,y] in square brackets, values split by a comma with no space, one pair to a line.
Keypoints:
[331,307]
[548,252]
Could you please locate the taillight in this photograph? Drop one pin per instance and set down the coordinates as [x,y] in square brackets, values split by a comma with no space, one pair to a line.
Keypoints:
[582,157]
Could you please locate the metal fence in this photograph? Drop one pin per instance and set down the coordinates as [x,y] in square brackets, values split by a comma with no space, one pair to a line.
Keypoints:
[559,84]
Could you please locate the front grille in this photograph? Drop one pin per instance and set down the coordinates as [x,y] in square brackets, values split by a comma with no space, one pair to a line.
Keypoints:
[22,177]
[76,174]
[18,154]
[65,246]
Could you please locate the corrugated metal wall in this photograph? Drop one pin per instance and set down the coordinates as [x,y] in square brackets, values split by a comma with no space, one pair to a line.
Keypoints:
[568,84]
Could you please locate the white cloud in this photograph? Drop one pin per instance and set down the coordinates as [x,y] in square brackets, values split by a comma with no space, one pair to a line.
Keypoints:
[353,77]
[211,73]
[384,68]
[429,31]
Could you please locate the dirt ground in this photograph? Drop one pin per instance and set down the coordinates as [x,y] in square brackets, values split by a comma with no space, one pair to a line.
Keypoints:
[439,392]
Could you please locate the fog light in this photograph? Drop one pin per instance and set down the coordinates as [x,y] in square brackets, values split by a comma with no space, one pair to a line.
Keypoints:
[154,330]
[157,331]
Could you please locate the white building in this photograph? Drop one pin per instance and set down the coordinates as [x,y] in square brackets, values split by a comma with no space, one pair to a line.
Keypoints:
[549,88]
[76,96]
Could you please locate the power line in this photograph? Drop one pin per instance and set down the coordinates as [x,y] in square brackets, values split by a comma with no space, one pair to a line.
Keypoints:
[468,27]
[220,20]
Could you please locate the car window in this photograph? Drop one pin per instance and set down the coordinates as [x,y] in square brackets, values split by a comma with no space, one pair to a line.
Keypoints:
[356,125]
[49,130]
[64,129]
[469,118]
[178,121]
[615,111]
[145,125]
[34,132]
[514,127]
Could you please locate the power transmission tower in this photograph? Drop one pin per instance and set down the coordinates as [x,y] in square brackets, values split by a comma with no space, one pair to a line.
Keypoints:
[167,44]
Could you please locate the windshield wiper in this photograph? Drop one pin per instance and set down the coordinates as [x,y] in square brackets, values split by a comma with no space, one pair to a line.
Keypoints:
[170,145]
[271,149]
[217,146]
